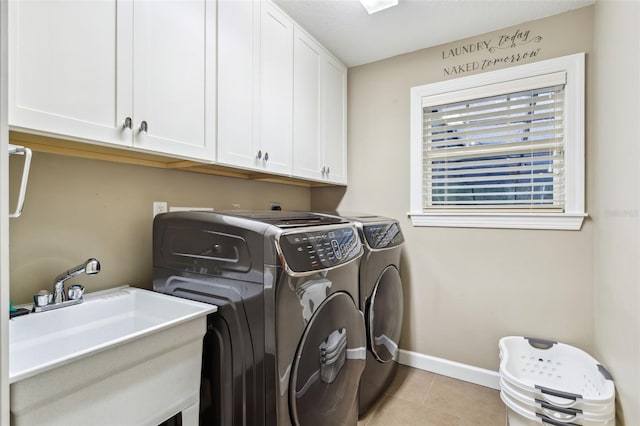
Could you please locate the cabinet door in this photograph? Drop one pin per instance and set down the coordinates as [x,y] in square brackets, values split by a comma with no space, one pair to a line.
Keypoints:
[334,119]
[174,77]
[276,89]
[238,41]
[70,68]
[307,142]
[4,219]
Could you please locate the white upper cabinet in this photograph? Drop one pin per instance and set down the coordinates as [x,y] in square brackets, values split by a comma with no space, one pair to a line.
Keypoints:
[138,74]
[334,120]
[174,77]
[238,59]
[319,111]
[70,70]
[276,89]
[255,80]
[227,81]
[307,135]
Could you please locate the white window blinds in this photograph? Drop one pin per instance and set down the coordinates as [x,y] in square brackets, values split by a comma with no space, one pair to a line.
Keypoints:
[503,151]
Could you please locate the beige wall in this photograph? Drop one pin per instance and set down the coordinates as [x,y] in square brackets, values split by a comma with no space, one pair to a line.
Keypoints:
[77,208]
[617,214]
[466,288]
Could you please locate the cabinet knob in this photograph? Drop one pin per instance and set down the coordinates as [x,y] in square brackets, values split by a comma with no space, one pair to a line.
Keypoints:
[127,123]
[328,169]
[144,127]
[266,156]
[259,155]
[323,171]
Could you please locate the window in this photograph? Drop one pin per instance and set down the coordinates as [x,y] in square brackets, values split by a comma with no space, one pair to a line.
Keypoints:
[503,149]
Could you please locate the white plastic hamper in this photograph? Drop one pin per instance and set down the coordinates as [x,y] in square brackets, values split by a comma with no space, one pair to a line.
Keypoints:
[607,413]
[554,383]
[519,416]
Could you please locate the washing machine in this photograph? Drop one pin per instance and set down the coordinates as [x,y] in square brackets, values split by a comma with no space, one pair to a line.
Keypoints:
[381,301]
[287,345]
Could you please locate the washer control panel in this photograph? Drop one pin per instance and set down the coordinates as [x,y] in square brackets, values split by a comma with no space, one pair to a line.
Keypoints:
[316,250]
[383,235]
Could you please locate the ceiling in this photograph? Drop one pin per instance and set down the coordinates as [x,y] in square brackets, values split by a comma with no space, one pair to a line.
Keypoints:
[356,38]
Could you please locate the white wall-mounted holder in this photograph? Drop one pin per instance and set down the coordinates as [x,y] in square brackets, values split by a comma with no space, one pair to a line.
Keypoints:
[20,150]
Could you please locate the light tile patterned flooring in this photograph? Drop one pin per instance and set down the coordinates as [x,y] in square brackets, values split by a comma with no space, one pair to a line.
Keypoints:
[421,398]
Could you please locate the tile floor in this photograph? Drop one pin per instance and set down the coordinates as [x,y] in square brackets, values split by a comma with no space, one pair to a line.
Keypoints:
[421,398]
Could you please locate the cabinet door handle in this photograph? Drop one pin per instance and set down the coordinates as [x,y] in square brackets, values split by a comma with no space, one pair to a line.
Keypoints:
[328,169]
[144,127]
[127,123]
[323,171]
[259,155]
[266,156]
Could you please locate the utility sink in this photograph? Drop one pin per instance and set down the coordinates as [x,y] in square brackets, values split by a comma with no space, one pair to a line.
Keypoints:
[124,356]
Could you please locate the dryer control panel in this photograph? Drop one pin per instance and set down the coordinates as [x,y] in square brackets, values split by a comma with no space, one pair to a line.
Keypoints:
[308,251]
[383,235]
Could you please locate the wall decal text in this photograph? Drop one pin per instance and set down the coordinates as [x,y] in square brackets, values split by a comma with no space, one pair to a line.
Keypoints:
[509,48]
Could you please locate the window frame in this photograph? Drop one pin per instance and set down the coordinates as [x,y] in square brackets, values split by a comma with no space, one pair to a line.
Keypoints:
[480,86]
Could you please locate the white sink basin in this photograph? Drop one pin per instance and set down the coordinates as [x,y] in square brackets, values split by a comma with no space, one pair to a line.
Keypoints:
[138,334]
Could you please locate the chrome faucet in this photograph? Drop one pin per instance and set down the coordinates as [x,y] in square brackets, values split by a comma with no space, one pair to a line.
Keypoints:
[45,301]
[90,267]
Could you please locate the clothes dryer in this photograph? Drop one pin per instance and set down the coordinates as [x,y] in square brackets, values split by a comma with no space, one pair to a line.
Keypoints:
[381,300]
[287,345]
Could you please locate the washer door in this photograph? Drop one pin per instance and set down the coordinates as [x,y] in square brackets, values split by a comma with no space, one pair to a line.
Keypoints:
[384,315]
[328,365]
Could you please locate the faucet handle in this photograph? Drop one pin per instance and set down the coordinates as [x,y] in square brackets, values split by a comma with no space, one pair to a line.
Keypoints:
[75,292]
[42,298]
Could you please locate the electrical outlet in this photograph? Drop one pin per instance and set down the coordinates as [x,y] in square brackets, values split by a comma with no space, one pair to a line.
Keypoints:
[159,207]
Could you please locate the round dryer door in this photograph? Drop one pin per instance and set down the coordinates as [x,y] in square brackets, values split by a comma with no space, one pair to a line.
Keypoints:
[384,315]
[328,365]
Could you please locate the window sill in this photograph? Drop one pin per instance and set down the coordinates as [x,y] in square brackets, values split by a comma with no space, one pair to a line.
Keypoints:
[557,221]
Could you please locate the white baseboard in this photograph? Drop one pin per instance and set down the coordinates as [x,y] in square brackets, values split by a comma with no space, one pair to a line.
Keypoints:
[457,370]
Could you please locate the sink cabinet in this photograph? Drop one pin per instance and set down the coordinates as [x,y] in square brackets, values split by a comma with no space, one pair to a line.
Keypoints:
[135,74]
[142,383]
[124,356]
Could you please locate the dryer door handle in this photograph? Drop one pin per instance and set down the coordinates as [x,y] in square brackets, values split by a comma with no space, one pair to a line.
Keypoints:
[333,354]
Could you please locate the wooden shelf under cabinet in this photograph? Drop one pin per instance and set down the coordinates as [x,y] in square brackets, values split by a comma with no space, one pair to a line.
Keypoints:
[50,145]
